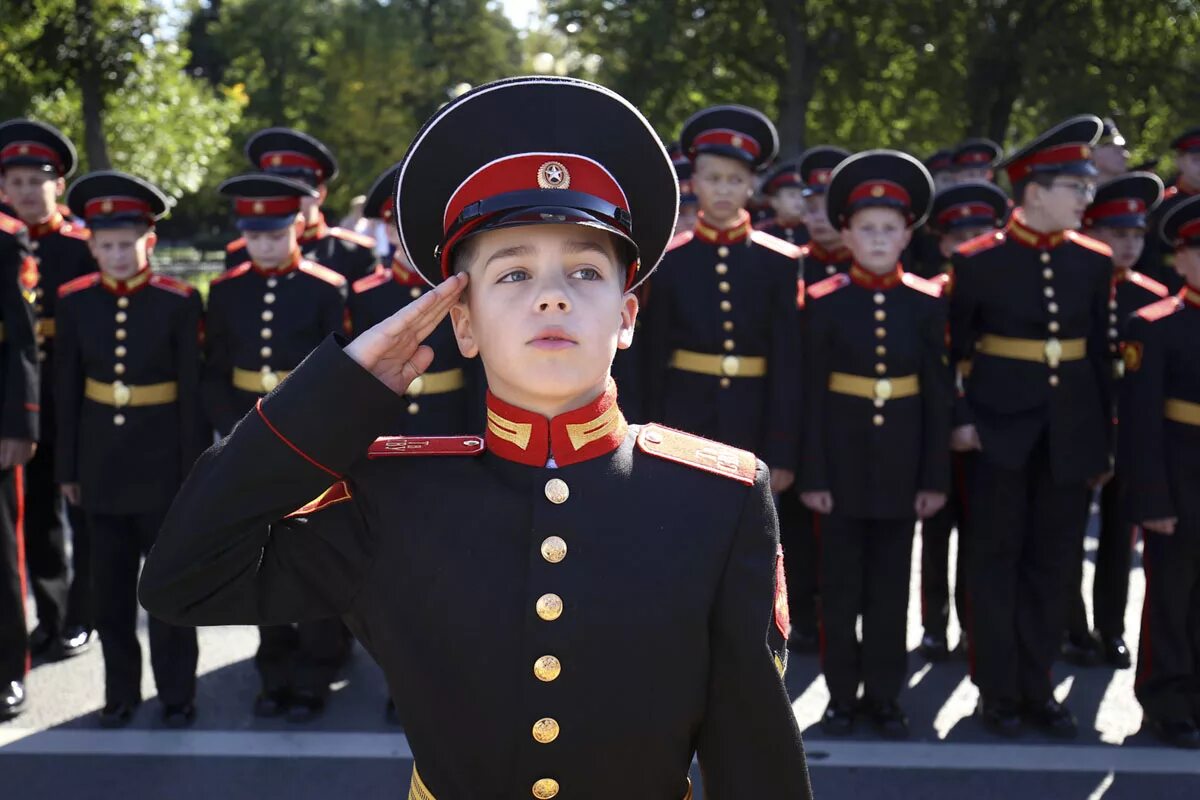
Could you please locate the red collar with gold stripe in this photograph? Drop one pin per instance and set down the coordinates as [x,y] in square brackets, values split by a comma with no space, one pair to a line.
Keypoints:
[318,230]
[834,256]
[1020,231]
[739,231]
[1191,296]
[594,430]
[275,272]
[51,225]
[869,280]
[128,286]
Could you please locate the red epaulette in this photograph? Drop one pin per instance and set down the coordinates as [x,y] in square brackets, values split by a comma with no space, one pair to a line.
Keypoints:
[338,493]
[1148,283]
[332,277]
[77,284]
[698,452]
[73,231]
[922,285]
[1170,192]
[679,240]
[387,446]
[232,272]
[1160,309]
[800,293]
[347,235]
[828,286]
[376,278]
[11,225]
[775,243]
[173,285]
[980,243]
[1095,245]
[236,244]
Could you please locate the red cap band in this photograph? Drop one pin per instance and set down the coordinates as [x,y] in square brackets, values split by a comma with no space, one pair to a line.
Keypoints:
[1062,154]
[1188,230]
[106,206]
[820,177]
[728,138]
[878,190]
[965,210]
[31,150]
[780,181]
[289,158]
[972,157]
[1190,143]
[266,206]
[1114,208]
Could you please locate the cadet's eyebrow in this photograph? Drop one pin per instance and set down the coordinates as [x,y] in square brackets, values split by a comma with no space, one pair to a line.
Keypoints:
[573,248]
[508,252]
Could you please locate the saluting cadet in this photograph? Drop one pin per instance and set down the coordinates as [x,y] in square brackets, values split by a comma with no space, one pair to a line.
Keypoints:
[878,402]
[296,155]
[784,189]
[1029,311]
[825,254]
[585,539]
[264,316]
[1160,450]
[35,160]
[19,412]
[958,214]
[720,339]
[1117,217]
[130,427]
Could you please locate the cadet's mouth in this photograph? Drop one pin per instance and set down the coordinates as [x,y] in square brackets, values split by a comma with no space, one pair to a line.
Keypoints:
[552,339]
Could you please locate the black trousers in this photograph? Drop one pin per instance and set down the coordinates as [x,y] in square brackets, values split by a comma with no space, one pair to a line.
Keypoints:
[798,536]
[1168,669]
[864,571]
[1026,530]
[304,657]
[935,554]
[1110,585]
[63,599]
[14,642]
[119,542]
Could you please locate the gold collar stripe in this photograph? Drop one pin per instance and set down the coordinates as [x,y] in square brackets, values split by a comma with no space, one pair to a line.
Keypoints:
[518,433]
[584,433]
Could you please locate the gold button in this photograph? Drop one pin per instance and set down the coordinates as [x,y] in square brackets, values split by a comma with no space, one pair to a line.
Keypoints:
[1047,273]
[1112,319]
[268,315]
[549,607]
[557,491]
[413,408]
[722,251]
[1054,380]
[414,292]
[269,379]
[118,419]
[122,302]
[880,368]
[121,334]
[121,317]
[554,549]
[880,315]
[265,352]
[1048,291]
[831,270]
[547,669]
[1052,308]
[726,306]
[723,287]
[1053,327]
[120,351]
[881,351]
[545,789]
[272,282]
[729,344]
[1112,304]
[879,298]
[727,325]
[725,383]
[722,269]
[545,731]
[266,333]
[269,298]
[1113,333]
[877,420]
[1045,257]
[880,333]
[119,369]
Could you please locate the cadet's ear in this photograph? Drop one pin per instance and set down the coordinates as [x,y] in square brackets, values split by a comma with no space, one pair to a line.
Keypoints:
[60,186]
[464,332]
[629,312]
[907,236]
[151,241]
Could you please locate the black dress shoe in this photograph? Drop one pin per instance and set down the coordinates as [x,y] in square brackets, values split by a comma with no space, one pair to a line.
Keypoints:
[1082,651]
[887,717]
[76,641]
[272,704]
[838,719]
[40,641]
[12,700]
[1001,718]
[117,715]
[933,648]
[1053,719]
[803,641]
[1116,652]
[178,715]
[305,706]
[1177,733]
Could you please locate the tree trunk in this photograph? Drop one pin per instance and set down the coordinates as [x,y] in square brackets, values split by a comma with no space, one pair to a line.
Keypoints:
[91,89]
[796,87]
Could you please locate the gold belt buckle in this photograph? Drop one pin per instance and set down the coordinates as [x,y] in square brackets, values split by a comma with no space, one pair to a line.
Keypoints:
[731,366]
[121,394]
[1054,351]
[416,387]
[270,380]
[883,389]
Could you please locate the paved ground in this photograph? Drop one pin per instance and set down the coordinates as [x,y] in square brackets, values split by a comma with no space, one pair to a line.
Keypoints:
[56,750]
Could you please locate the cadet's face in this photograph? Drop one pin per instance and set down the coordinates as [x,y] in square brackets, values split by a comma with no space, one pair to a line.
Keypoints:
[877,237]
[33,192]
[1189,168]
[1126,243]
[1187,264]
[943,178]
[971,174]
[272,248]
[817,222]
[788,203]
[1111,159]
[121,252]
[688,215]
[950,241]
[1061,204]
[546,311]
[723,187]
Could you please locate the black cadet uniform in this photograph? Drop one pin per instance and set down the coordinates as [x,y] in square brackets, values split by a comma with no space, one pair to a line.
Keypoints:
[539,684]
[924,255]
[782,175]
[296,155]
[19,412]
[972,205]
[877,418]
[130,427]
[62,592]
[720,335]
[1160,452]
[1123,202]
[261,323]
[1029,310]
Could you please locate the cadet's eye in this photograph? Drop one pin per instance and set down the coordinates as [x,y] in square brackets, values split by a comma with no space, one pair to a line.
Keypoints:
[514,276]
[587,274]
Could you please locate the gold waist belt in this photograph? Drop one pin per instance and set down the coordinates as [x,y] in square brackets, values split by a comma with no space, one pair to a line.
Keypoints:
[436,383]
[720,366]
[875,388]
[1183,411]
[417,790]
[1044,351]
[258,382]
[45,327]
[122,394]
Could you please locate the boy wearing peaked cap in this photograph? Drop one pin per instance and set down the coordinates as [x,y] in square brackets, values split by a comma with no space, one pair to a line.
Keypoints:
[784,189]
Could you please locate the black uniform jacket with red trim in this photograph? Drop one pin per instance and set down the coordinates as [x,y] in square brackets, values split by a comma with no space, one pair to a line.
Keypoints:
[1160,456]
[19,386]
[646,563]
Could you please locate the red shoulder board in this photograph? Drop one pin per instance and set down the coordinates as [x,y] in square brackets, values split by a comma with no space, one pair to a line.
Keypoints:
[695,451]
[1148,283]
[376,278]
[980,243]
[1095,245]
[332,277]
[173,285]
[73,231]
[347,235]
[387,446]
[1170,192]
[82,282]
[236,244]
[11,225]
[232,272]
[924,285]
[1160,309]
[679,240]
[764,239]
[828,285]
[338,493]
[800,293]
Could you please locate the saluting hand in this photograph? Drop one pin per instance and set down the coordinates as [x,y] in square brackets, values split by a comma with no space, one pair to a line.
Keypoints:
[392,350]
